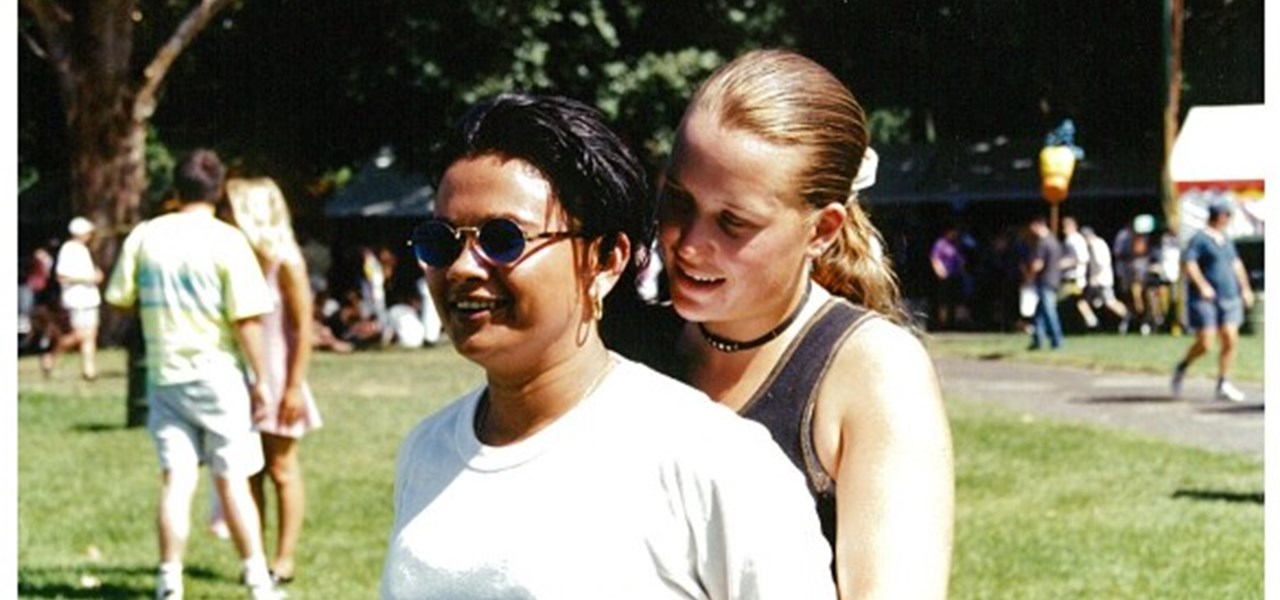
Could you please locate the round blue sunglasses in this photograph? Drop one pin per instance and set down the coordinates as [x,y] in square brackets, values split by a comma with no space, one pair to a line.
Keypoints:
[501,240]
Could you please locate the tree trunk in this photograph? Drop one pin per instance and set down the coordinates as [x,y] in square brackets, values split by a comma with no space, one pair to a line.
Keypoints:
[108,172]
[1172,107]
[108,180]
[107,144]
[89,45]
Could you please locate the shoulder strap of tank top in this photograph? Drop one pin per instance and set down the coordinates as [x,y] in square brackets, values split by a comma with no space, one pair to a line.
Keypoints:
[787,398]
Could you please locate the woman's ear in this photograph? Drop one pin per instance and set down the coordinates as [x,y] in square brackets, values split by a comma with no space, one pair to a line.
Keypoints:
[613,259]
[827,223]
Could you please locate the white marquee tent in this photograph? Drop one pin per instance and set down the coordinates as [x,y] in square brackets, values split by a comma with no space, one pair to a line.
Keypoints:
[1219,155]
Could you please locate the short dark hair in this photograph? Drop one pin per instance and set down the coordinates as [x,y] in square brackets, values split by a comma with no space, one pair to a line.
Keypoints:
[199,177]
[593,174]
[1218,208]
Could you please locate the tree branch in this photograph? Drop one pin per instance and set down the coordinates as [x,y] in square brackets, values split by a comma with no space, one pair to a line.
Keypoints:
[53,21]
[195,21]
[34,45]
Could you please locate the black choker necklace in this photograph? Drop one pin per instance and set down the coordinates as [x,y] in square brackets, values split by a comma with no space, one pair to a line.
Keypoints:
[728,345]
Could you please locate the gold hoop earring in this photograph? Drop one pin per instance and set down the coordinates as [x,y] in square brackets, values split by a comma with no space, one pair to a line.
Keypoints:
[597,304]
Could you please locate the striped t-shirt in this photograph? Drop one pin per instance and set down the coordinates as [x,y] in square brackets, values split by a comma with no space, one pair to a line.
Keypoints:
[192,277]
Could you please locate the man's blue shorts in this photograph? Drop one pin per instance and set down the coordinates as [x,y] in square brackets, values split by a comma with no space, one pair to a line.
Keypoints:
[1213,313]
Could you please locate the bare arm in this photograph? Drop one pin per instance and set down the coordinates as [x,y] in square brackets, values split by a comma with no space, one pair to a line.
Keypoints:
[1242,277]
[895,484]
[296,294]
[1192,269]
[939,270]
[249,335]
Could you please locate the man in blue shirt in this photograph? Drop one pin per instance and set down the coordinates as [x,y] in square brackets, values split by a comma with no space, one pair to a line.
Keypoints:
[1217,294]
[1045,270]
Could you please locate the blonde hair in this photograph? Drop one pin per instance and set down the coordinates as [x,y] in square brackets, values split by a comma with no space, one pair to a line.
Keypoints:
[790,101]
[259,209]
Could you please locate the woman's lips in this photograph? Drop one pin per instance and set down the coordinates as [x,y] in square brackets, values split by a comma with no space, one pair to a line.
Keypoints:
[475,308]
[697,281]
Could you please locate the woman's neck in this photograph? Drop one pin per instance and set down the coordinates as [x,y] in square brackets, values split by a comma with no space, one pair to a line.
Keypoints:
[518,405]
[732,378]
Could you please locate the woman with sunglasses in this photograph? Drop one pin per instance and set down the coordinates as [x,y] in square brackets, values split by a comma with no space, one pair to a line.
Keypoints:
[573,472]
[794,319]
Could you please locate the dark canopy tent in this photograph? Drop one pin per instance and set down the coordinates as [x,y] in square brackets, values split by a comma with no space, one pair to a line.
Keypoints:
[382,192]
[1002,169]
[378,208]
[988,185]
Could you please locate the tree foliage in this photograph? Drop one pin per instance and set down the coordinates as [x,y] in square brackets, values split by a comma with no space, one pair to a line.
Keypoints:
[109,92]
[307,90]
[637,61]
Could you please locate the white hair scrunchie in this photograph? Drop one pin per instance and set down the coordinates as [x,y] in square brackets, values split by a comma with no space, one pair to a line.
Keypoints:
[866,176]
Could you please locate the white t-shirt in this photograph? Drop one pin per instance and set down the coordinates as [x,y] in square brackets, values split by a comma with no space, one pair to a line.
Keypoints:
[1078,247]
[75,262]
[1100,272]
[646,489]
[409,331]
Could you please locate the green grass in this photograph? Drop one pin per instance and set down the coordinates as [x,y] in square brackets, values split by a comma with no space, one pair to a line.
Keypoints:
[1047,510]
[1044,510]
[87,485]
[1103,351]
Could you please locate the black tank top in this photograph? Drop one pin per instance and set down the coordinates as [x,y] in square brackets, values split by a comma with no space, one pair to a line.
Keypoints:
[784,403]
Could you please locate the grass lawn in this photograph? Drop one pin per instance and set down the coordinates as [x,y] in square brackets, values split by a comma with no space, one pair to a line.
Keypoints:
[1044,510]
[1104,351]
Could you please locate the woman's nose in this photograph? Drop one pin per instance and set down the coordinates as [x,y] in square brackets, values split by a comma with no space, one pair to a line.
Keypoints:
[470,263]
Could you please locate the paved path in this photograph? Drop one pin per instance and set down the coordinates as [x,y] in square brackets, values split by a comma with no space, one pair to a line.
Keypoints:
[1129,401]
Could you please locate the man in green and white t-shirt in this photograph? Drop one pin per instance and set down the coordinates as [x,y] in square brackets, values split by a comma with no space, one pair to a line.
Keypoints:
[200,292]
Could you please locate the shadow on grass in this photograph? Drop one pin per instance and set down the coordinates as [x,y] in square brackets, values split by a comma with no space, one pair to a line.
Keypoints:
[1129,399]
[994,356]
[116,582]
[97,427]
[1218,496]
[1228,409]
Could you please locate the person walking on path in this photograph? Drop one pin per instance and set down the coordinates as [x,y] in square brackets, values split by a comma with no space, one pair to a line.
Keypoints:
[1100,290]
[1046,274]
[78,278]
[200,295]
[1217,295]
[1076,270]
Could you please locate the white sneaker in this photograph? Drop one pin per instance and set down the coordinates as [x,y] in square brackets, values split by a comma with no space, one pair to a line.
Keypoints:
[167,588]
[218,528]
[1229,392]
[267,591]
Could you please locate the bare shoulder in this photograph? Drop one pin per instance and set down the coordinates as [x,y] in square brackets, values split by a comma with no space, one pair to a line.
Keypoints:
[293,264]
[884,347]
[882,364]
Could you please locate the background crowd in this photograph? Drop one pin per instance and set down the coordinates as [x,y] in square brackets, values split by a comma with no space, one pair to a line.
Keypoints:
[371,295]
[1123,280]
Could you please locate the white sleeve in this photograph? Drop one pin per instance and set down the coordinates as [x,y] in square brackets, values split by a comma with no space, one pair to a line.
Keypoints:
[756,524]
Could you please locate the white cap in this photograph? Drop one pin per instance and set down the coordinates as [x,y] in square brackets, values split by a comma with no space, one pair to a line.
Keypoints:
[80,226]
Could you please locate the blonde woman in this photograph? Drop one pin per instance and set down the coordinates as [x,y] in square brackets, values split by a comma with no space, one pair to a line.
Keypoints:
[258,208]
[792,318]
